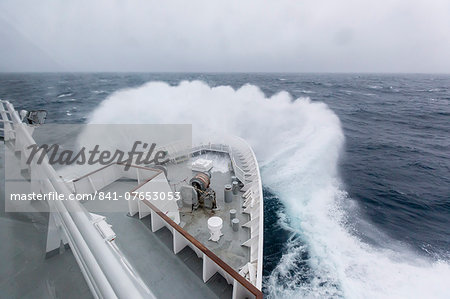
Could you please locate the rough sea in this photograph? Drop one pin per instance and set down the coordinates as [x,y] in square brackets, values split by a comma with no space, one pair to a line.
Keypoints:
[355,167]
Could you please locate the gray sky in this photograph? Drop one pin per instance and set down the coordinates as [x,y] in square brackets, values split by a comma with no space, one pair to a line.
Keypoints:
[283,36]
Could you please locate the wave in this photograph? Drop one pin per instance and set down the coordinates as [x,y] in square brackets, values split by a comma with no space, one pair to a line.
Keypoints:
[66,94]
[298,144]
[221,164]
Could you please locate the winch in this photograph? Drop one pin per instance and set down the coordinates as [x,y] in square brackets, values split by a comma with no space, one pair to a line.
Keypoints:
[205,195]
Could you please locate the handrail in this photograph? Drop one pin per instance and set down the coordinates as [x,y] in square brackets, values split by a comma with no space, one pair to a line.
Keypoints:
[106,273]
[99,265]
[111,164]
[243,148]
[261,212]
[240,173]
[244,282]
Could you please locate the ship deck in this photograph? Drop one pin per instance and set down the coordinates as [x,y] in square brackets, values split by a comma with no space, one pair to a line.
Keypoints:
[228,248]
[150,253]
[140,245]
[30,272]
[27,273]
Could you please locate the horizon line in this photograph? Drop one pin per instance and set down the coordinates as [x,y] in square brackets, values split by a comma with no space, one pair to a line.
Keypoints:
[224,72]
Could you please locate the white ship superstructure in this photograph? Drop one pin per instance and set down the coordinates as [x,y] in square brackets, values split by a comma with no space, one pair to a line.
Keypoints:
[214,218]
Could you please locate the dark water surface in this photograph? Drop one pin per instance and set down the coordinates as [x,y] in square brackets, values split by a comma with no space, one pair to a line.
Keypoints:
[396,161]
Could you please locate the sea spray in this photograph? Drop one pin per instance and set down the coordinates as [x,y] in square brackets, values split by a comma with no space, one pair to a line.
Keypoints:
[298,144]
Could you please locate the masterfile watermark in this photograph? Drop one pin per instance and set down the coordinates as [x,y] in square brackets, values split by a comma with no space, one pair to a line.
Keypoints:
[102,196]
[95,167]
[95,156]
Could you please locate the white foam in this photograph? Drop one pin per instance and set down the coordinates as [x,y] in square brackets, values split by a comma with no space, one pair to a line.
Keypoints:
[63,95]
[220,164]
[298,144]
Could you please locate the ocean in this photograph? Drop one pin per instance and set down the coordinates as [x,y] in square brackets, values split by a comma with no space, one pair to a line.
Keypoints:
[355,167]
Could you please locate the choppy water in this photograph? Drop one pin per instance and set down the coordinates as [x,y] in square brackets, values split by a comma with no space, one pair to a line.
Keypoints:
[357,195]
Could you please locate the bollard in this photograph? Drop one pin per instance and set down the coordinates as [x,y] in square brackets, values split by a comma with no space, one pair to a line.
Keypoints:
[232,215]
[235,224]
[228,194]
[235,188]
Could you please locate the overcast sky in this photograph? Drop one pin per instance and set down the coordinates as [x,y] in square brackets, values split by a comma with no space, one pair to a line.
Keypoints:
[216,36]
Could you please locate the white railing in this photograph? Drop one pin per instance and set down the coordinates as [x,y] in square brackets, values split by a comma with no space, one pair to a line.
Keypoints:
[245,160]
[104,268]
[245,167]
[212,264]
